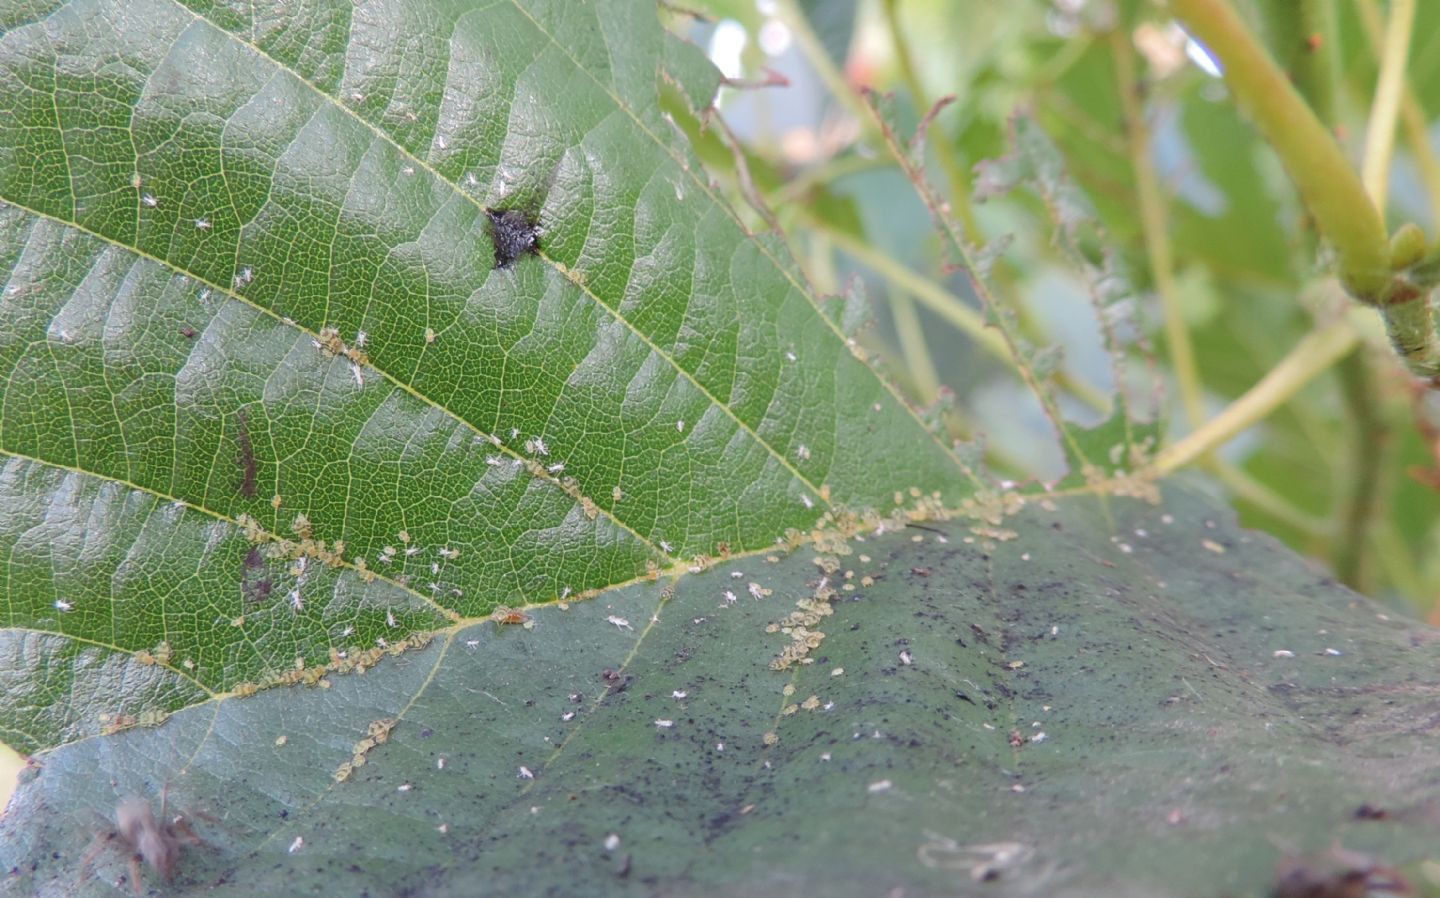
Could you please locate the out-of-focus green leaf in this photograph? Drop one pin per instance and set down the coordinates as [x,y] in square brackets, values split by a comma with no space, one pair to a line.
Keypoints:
[834,24]
[267,399]
[1123,699]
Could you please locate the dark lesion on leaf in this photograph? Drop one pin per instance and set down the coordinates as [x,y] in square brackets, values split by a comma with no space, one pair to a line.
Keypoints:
[255,583]
[248,466]
[515,233]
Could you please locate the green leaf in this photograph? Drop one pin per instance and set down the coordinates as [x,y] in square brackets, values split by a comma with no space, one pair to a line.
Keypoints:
[266,398]
[1102,705]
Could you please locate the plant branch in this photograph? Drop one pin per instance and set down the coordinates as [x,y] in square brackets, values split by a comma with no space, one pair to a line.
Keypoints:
[1380,133]
[819,59]
[913,346]
[947,305]
[1316,352]
[1411,114]
[1332,191]
[1361,499]
[1155,229]
[960,201]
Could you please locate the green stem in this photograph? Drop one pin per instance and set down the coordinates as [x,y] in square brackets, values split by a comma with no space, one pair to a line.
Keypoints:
[1380,133]
[947,305]
[1333,193]
[913,346]
[1360,504]
[1153,225]
[1316,352]
[819,58]
[960,201]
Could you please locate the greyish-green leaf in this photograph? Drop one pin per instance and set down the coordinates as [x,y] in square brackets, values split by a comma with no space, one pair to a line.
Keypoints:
[1123,700]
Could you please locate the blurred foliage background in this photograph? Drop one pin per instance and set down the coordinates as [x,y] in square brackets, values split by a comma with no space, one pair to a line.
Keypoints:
[1217,244]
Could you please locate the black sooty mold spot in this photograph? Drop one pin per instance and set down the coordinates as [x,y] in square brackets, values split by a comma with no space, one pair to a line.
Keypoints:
[515,233]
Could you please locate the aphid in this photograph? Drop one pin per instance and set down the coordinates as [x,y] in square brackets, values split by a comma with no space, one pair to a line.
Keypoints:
[514,234]
[503,615]
[150,841]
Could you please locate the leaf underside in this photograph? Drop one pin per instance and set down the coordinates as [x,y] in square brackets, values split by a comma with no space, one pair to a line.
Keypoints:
[1180,755]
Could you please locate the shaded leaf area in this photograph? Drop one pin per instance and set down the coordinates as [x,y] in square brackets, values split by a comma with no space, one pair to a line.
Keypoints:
[1096,707]
[265,394]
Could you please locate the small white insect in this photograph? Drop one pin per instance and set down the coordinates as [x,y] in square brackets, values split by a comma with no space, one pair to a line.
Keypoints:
[358,374]
[805,498]
[612,842]
[297,844]
[756,590]
[295,601]
[664,724]
[666,547]
[803,452]
[679,693]
[62,605]
[361,338]
[878,787]
[680,425]
[390,618]
[537,446]
[404,787]
[525,773]
[790,356]
[348,631]
[568,716]
[202,224]
[150,200]
[906,658]
[493,461]
[730,597]
[447,552]
[471,643]
[619,622]
[556,468]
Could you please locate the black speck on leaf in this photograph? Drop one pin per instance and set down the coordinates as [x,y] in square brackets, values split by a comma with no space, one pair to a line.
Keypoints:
[515,233]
